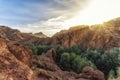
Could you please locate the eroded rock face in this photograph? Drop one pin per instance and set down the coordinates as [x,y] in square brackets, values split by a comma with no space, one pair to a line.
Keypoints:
[104,35]
[10,67]
[48,70]
[40,35]
[22,53]
[15,58]
[90,73]
[14,67]
[17,36]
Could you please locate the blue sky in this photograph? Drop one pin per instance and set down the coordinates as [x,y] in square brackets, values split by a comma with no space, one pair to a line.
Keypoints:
[22,14]
[51,16]
[15,12]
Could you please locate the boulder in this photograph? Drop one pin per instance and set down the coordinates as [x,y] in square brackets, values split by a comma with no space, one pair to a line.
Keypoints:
[92,74]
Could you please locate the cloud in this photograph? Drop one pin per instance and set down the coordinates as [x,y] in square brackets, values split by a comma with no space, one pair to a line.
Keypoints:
[49,27]
[45,16]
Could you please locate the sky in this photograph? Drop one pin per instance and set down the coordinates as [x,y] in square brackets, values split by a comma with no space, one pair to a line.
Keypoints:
[51,16]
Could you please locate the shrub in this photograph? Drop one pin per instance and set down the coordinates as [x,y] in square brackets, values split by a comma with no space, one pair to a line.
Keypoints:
[65,61]
[73,62]
[105,60]
[39,49]
[34,49]
[74,49]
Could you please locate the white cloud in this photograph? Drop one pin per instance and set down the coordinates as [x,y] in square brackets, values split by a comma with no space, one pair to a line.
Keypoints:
[49,27]
[54,14]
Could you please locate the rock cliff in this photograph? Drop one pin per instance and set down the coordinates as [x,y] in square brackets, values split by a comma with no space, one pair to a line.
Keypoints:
[17,61]
[104,35]
[11,68]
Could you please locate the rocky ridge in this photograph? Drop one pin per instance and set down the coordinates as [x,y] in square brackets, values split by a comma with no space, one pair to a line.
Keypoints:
[104,35]
[40,35]
[11,68]
[17,61]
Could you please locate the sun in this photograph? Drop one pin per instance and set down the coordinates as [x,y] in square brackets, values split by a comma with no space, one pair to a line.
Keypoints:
[95,13]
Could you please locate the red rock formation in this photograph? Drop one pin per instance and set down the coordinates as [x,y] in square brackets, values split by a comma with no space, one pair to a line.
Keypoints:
[90,73]
[10,67]
[22,53]
[17,36]
[14,67]
[98,75]
[104,35]
[47,69]
[40,35]
[15,58]
[87,73]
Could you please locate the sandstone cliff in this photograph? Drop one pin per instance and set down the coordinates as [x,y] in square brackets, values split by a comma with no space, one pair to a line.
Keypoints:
[19,37]
[104,35]
[40,35]
[11,68]
[17,61]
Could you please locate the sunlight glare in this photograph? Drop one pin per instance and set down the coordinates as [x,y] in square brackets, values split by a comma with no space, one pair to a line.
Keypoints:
[97,12]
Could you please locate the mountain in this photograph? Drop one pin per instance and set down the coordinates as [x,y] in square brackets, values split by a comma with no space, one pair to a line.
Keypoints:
[17,61]
[40,35]
[14,61]
[17,36]
[106,35]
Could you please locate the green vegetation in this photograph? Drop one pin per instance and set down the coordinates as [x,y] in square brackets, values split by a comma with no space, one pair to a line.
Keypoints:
[39,49]
[105,61]
[73,62]
[74,59]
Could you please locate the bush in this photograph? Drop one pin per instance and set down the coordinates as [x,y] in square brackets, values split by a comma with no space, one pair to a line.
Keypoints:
[39,49]
[73,62]
[73,59]
[43,49]
[34,49]
[105,60]
[65,61]
[74,49]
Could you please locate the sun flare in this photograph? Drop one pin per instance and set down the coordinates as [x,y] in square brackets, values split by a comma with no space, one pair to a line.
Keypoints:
[95,13]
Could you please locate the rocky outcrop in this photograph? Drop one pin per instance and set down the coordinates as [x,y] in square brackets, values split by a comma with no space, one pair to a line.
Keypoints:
[18,63]
[104,35]
[10,67]
[40,35]
[19,37]
[22,53]
[46,69]
[90,73]
[15,64]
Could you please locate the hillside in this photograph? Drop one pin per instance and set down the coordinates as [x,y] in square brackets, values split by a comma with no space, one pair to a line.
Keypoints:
[17,36]
[40,35]
[104,35]
[24,56]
